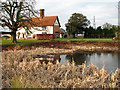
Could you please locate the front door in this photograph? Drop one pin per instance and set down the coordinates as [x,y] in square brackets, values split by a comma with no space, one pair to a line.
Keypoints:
[56,35]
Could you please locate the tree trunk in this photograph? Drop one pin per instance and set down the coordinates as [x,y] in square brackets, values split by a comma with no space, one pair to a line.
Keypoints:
[13,38]
[68,36]
[118,35]
[73,35]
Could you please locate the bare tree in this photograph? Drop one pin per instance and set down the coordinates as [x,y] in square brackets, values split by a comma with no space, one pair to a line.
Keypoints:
[107,25]
[15,13]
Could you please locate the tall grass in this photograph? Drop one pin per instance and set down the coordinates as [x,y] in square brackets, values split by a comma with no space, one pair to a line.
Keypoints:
[21,70]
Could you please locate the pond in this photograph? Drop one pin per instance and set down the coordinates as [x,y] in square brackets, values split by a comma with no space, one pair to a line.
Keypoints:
[111,61]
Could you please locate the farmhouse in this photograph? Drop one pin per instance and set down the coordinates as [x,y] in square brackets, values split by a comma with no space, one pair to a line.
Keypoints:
[45,27]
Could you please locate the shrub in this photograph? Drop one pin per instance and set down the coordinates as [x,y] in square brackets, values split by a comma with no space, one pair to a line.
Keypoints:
[5,37]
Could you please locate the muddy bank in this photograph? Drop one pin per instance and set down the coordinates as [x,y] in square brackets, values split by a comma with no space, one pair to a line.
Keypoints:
[50,49]
[72,45]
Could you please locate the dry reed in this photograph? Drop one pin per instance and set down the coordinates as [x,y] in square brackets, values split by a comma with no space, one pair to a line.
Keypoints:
[21,70]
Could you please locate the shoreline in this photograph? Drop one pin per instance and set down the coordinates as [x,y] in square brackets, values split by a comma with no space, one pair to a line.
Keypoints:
[63,47]
[42,51]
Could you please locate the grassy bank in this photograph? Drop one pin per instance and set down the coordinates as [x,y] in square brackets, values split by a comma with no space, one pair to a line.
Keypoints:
[23,42]
[32,42]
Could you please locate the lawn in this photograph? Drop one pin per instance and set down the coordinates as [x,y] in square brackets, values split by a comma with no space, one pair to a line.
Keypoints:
[85,39]
[25,42]
[22,42]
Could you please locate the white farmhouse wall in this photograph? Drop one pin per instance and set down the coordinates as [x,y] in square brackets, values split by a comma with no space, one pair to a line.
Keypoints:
[49,29]
[35,30]
[60,35]
[22,31]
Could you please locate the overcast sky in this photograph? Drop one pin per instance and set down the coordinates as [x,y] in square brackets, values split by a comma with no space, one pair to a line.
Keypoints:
[103,10]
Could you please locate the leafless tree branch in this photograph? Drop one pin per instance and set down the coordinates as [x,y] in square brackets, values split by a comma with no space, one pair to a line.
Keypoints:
[15,13]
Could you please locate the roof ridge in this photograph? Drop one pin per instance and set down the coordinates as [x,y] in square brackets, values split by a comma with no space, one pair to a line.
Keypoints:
[44,17]
[45,21]
[50,16]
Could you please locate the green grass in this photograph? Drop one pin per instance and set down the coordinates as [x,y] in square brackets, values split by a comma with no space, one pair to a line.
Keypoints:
[20,82]
[26,42]
[22,42]
[85,39]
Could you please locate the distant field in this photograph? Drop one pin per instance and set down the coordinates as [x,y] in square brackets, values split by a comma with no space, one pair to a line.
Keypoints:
[85,39]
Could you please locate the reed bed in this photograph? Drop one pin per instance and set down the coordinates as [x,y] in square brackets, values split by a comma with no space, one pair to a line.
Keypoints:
[21,70]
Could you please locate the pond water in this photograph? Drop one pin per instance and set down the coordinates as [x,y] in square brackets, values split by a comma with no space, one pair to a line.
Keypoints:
[110,60]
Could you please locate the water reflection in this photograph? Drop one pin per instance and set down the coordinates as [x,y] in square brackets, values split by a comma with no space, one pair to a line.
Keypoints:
[110,60]
[48,58]
[79,58]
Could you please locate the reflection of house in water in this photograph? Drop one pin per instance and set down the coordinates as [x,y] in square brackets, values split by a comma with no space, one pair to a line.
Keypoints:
[48,58]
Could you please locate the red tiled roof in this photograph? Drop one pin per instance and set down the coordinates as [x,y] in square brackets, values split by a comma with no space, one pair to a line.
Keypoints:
[45,21]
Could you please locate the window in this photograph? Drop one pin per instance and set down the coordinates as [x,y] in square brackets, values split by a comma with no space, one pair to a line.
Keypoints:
[44,32]
[44,27]
[56,35]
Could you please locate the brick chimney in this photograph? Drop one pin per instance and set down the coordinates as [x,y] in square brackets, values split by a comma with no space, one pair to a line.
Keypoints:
[41,13]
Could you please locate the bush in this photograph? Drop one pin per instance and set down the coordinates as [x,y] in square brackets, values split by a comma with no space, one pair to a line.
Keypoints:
[5,37]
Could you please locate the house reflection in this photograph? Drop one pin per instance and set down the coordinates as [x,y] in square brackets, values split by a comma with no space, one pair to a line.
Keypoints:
[79,58]
[49,58]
